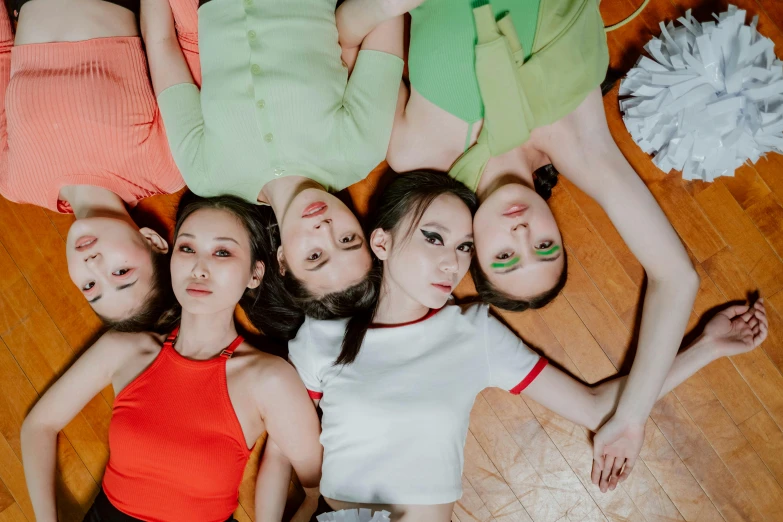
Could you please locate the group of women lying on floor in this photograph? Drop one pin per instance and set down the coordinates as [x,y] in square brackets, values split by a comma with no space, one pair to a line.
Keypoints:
[266,108]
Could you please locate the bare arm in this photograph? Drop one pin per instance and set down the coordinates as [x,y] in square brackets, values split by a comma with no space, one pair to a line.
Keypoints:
[292,423]
[167,64]
[735,330]
[274,475]
[591,406]
[581,147]
[270,488]
[84,380]
[358,18]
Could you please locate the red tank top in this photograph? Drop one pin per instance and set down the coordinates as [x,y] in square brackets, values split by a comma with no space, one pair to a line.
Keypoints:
[176,449]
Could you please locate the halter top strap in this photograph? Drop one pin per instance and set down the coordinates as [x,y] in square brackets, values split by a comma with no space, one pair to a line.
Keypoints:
[226,353]
[172,336]
[229,351]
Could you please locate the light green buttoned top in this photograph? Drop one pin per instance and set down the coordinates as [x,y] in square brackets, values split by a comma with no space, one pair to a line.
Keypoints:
[276,100]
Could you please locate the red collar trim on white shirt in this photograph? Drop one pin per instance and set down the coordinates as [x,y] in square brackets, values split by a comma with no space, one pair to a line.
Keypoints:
[426,316]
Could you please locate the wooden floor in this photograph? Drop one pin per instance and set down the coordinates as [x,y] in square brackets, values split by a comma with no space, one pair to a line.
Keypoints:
[714,447]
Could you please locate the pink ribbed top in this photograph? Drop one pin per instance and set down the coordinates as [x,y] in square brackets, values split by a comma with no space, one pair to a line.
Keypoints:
[80,113]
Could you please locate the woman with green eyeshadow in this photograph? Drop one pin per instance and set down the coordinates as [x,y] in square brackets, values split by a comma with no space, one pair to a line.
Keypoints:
[397,384]
[503,96]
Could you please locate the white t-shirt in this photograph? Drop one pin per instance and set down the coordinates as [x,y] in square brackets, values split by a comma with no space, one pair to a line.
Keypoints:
[395,421]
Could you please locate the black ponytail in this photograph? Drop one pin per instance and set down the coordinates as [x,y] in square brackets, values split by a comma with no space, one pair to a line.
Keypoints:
[360,322]
[406,198]
[544,180]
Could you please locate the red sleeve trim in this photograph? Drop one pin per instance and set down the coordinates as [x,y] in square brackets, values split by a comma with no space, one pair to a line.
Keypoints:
[538,368]
[314,394]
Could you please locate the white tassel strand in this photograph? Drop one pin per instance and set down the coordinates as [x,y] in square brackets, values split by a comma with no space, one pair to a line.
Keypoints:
[354,515]
[708,99]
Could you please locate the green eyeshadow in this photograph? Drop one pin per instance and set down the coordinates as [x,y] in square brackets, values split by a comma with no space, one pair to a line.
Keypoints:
[549,252]
[505,264]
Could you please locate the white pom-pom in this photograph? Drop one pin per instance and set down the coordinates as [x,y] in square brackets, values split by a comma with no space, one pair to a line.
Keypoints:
[354,515]
[708,99]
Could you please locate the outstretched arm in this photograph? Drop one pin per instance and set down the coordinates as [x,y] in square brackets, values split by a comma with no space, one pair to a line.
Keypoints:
[92,372]
[581,148]
[737,329]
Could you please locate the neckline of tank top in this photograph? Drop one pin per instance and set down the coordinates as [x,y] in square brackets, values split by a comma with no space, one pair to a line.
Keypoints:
[224,355]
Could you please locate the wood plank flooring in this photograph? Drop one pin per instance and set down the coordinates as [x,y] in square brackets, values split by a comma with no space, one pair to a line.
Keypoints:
[713,447]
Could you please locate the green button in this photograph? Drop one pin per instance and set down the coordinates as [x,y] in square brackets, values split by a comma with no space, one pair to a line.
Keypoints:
[251,35]
[261,104]
[268,138]
[248,2]
[255,69]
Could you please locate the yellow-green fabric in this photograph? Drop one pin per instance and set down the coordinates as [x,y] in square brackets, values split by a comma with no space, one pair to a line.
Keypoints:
[569,60]
[276,100]
[442,56]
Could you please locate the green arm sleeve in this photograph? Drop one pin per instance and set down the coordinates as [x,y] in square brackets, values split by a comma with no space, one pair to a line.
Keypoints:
[368,110]
[180,107]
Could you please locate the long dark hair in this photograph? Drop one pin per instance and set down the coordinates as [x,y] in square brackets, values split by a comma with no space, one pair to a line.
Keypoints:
[266,306]
[151,315]
[407,197]
[334,305]
[544,180]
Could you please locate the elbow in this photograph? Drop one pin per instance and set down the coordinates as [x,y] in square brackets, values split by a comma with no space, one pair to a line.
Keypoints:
[309,470]
[688,279]
[196,181]
[312,477]
[311,480]
[400,155]
[680,276]
[398,158]
[34,426]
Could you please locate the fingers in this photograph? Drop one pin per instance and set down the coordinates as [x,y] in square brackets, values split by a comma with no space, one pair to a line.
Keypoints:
[598,453]
[627,469]
[760,313]
[598,461]
[761,336]
[614,477]
[754,325]
[606,473]
[595,474]
[734,310]
[762,328]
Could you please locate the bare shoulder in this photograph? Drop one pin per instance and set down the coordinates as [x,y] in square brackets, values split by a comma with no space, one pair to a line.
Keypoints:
[265,373]
[258,364]
[124,345]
